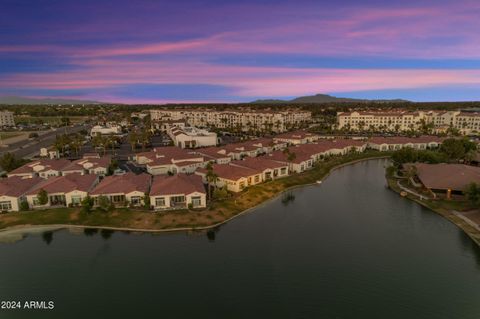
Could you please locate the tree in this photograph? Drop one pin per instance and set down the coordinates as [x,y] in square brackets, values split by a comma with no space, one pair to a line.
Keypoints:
[146,201]
[104,203]
[24,205]
[87,204]
[211,177]
[133,139]
[456,149]
[65,121]
[472,192]
[112,167]
[42,197]
[9,162]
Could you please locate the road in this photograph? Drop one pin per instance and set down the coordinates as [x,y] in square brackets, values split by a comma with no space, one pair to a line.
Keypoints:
[28,148]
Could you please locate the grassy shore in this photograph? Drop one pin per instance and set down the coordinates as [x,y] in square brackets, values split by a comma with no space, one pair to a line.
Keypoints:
[444,208]
[217,213]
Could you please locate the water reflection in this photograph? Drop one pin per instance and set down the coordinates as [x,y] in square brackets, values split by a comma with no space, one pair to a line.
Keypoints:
[47,237]
[106,233]
[90,231]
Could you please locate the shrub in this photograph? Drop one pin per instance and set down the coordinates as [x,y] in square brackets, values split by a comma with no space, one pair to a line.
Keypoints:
[24,205]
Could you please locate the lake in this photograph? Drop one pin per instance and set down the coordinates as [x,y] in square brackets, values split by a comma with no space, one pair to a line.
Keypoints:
[348,248]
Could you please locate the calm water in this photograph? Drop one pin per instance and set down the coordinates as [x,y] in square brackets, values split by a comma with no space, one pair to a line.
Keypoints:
[348,248]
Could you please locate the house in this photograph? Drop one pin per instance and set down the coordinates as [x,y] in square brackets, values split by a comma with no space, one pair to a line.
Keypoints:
[90,165]
[170,159]
[296,137]
[270,169]
[215,154]
[68,190]
[399,142]
[235,178]
[44,168]
[13,190]
[296,160]
[445,179]
[178,191]
[123,189]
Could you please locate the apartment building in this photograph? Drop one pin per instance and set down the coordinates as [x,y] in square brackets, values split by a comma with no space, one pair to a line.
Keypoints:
[465,122]
[243,120]
[6,119]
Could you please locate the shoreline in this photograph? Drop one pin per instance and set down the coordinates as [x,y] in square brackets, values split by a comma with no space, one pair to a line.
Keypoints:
[29,228]
[450,215]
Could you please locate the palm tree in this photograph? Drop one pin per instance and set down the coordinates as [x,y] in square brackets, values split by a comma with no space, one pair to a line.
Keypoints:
[211,177]
[133,139]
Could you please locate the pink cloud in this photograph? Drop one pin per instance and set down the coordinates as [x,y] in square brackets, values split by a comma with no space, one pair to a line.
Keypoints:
[244,81]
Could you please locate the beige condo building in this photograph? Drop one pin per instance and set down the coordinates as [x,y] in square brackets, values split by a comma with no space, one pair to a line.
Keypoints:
[243,119]
[465,122]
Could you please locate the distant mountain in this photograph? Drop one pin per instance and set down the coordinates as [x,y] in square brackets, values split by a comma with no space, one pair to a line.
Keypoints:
[321,98]
[33,101]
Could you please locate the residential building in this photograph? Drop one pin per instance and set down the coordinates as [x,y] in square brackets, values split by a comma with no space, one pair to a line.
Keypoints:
[177,192]
[439,121]
[68,190]
[44,168]
[123,190]
[170,159]
[399,142]
[270,169]
[108,129]
[13,190]
[96,166]
[191,137]
[233,177]
[51,153]
[6,118]
[242,120]
[445,179]
[296,137]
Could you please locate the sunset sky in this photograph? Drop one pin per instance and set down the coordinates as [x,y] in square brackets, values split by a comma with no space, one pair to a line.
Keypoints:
[237,51]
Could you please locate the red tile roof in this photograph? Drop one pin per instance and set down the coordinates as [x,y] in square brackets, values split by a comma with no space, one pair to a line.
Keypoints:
[54,164]
[17,186]
[177,184]
[231,172]
[259,163]
[65,184]
[123,184]
[447,176]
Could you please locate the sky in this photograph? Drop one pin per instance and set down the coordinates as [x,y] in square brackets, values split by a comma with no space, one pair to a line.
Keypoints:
[187,51]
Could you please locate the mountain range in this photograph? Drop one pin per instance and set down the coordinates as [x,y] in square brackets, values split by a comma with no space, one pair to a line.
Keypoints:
[320,98]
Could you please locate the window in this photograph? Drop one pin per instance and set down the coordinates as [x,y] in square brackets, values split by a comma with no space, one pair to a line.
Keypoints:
[160,201]
[135,200]
[117,198]
[177,199]
[5,206]
[196,201]
[76,199]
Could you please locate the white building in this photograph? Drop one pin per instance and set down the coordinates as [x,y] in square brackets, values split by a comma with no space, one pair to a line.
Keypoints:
[192,137]
[110,129]
[6,118]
